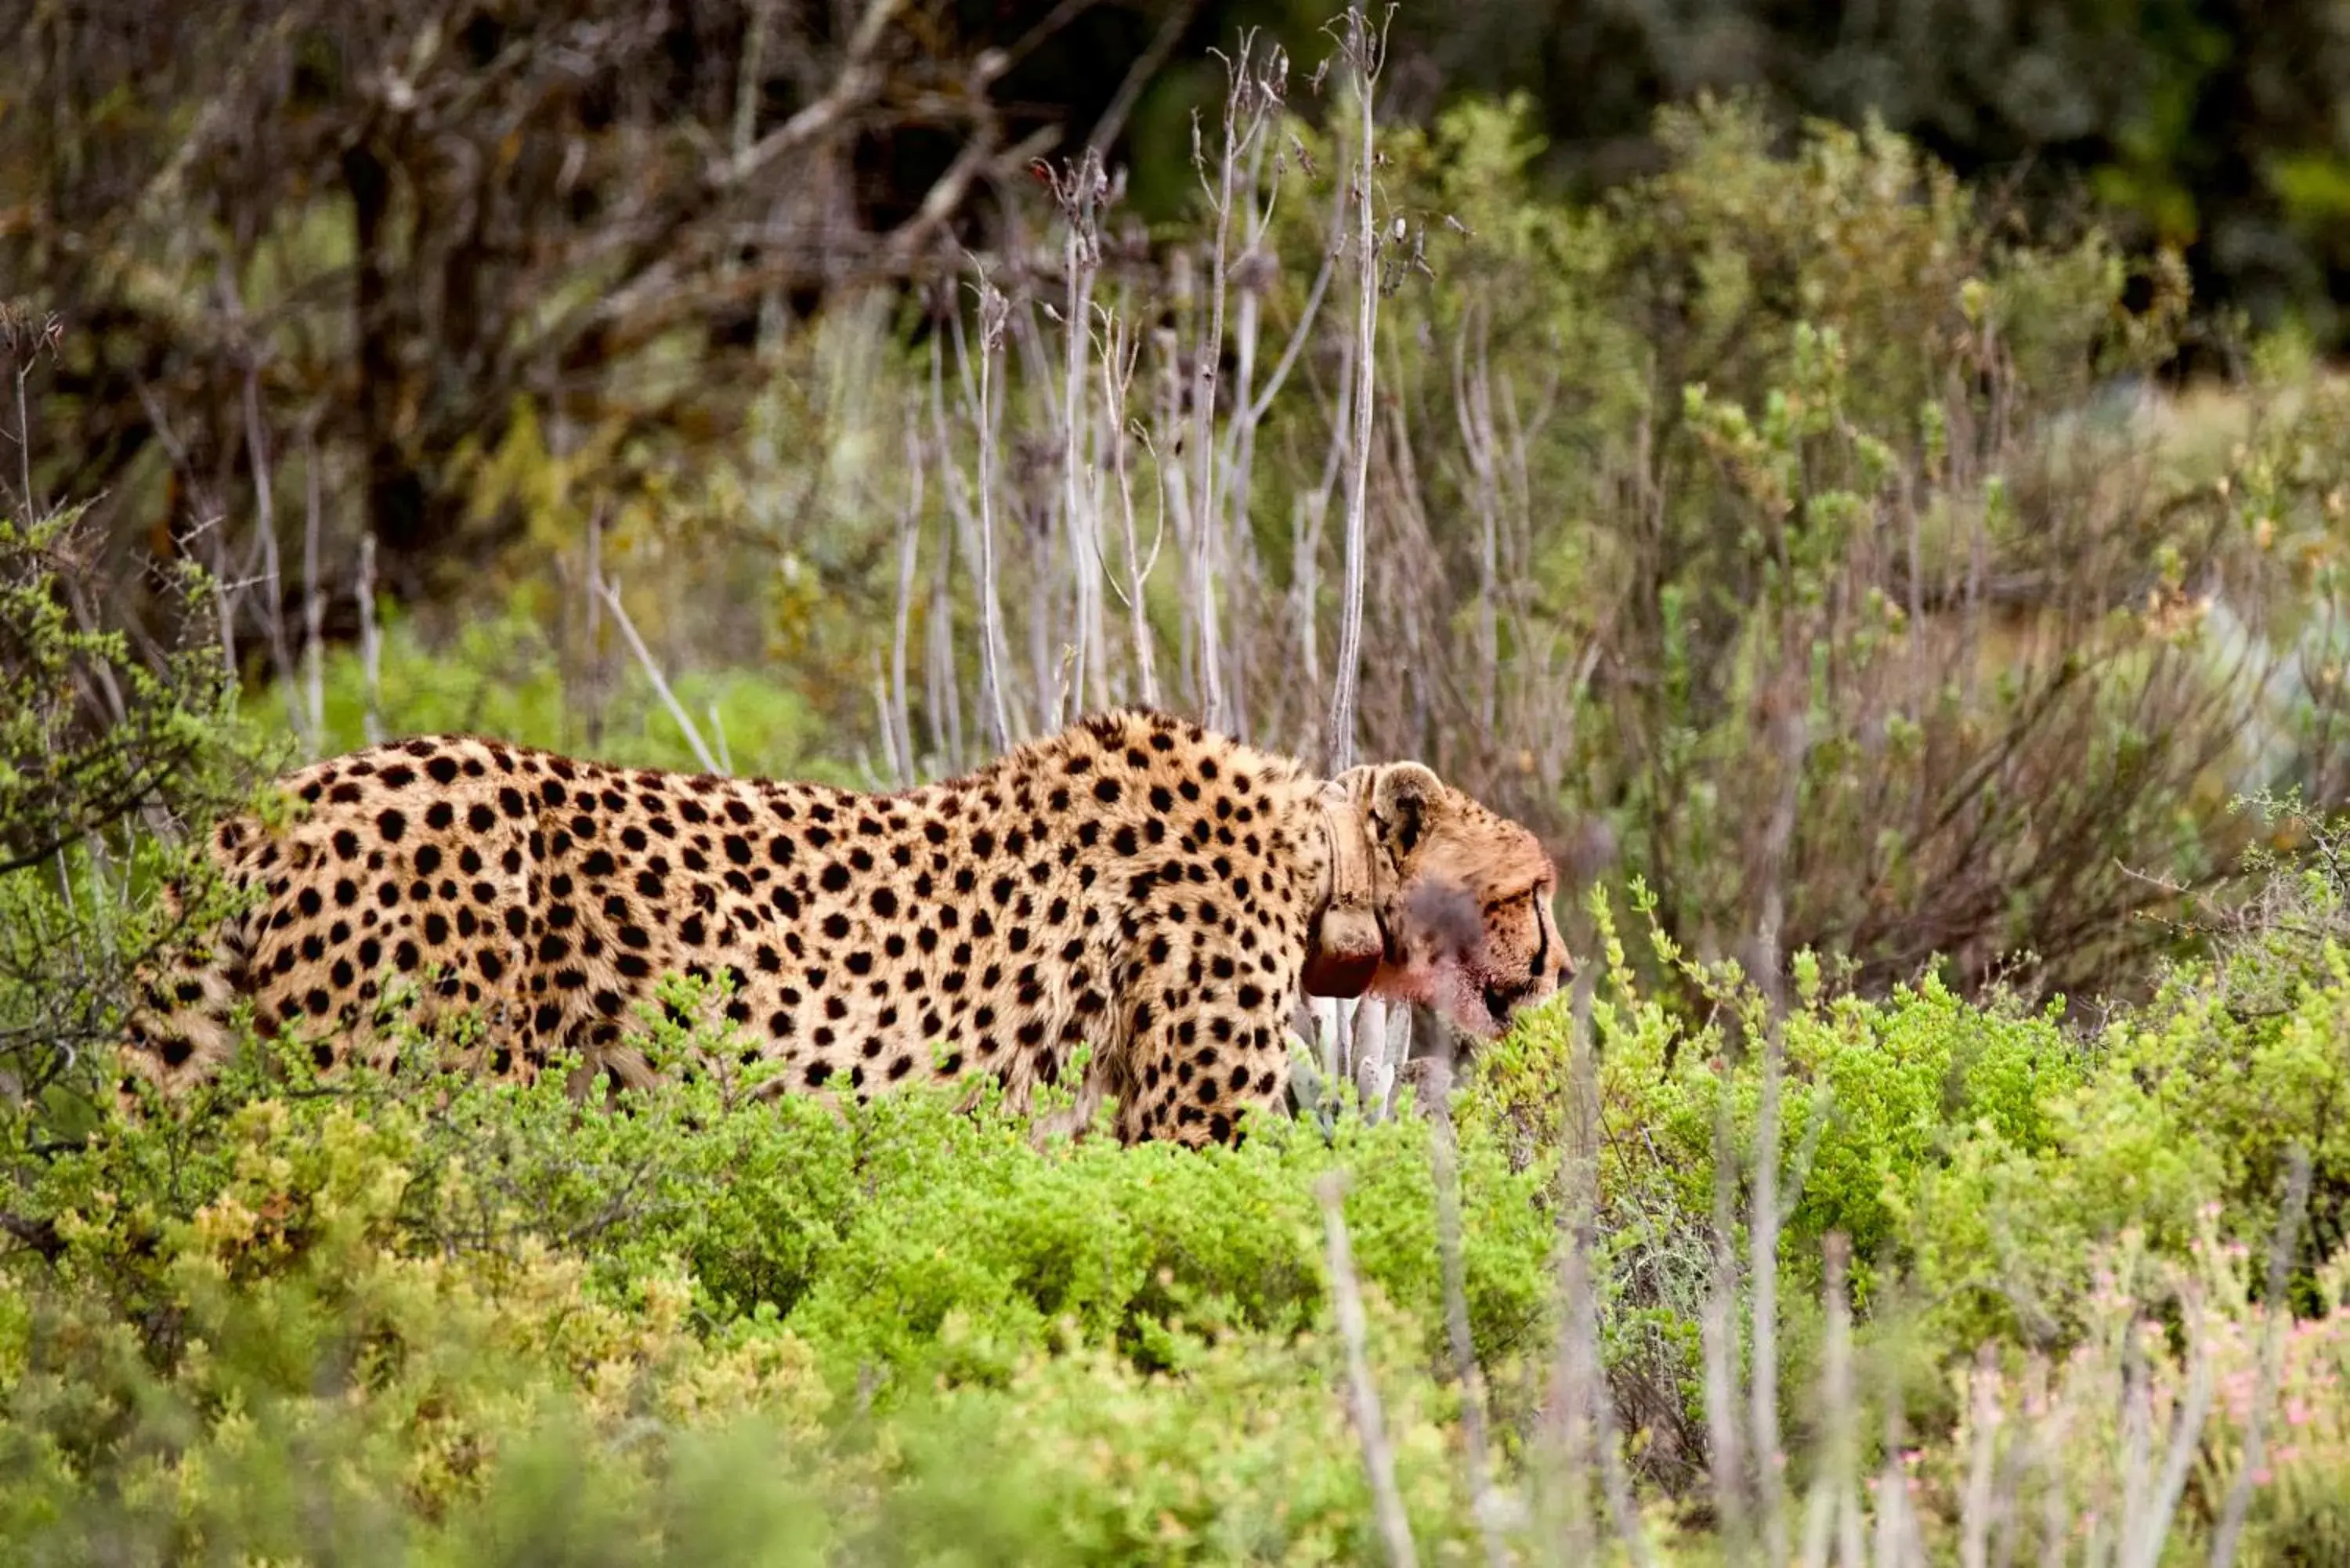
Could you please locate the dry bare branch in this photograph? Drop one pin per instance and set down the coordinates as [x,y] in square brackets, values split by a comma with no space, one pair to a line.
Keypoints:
[2276,1323]
[854,84]
[1371,1424]
[1362,49]
[610,591]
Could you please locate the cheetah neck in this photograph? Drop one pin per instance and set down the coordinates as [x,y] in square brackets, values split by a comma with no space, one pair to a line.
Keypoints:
[1347,881]
[1347,942]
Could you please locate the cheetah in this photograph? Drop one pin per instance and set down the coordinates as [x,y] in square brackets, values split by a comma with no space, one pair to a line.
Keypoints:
[1137,886]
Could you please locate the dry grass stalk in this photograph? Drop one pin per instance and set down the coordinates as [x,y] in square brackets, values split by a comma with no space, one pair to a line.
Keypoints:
[1081,195]
[609,590]
[2277,1319]
[897,716]
[1832,1517]
[1371,1424]
[1717,1336]
[1581,1434]
[371,645]
[1762,1223]
[1445,1171]
[993,311]
[1363,49]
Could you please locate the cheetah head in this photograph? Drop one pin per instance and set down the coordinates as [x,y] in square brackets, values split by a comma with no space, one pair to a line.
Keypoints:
[1461,897]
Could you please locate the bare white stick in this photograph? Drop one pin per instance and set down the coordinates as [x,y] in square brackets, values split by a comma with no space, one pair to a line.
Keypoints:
[1444,1166]
[1892,1548]
[1363,49]
[1207,354]
[1982,1446]
[2278,1318]
[370,644]
[1577,1378]
[2147,1529]
[897,775]
[611,590]
[1763,1271]
[1366,1043]
[2055,1501]
[941,678]
[994,309]
[718,732]
[264,503]
[1081,253]
[899,716]
[314,593]
[595,620]
[1717,1332]
[1580,1331]
[940,674]
[1370,1425]
[1762,1223]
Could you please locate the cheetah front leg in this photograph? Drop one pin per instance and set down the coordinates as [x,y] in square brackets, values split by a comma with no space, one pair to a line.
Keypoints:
[1202,1041]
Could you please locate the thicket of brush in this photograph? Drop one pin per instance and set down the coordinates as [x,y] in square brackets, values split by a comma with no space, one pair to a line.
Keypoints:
[1790,539]
[1877,1281]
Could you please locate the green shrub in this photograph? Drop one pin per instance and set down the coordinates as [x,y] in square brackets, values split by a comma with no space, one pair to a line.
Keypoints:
[1974,1157]
[115,752]
[422,1318]
[2191,1108]
[398,1285]
[1877,1093]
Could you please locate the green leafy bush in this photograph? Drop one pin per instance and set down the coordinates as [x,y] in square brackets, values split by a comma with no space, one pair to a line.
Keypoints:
[399,1287]
[424,1318]
[429,1319]
[114,750]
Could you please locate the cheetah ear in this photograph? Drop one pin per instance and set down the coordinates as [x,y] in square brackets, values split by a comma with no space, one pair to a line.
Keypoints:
[1405,799]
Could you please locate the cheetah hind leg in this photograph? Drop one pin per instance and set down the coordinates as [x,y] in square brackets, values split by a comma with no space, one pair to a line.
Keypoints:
[180,1029]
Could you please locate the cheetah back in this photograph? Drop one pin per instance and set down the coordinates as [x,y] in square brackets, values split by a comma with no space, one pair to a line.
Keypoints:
[1134,885]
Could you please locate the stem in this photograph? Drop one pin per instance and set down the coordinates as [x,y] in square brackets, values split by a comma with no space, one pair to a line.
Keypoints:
[1370,1426]
[1362,52]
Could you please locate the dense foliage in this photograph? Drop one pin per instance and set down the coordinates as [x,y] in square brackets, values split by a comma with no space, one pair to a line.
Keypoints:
[419,1318]
[2213,126]
[419,1321]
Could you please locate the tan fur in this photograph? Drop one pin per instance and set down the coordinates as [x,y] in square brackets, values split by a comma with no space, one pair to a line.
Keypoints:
[1134,883]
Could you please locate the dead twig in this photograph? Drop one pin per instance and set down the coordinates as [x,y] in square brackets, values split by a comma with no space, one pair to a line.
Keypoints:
[1370,1426]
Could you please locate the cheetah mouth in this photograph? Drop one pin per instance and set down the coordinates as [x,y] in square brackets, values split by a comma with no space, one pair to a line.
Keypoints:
[1501,1000]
